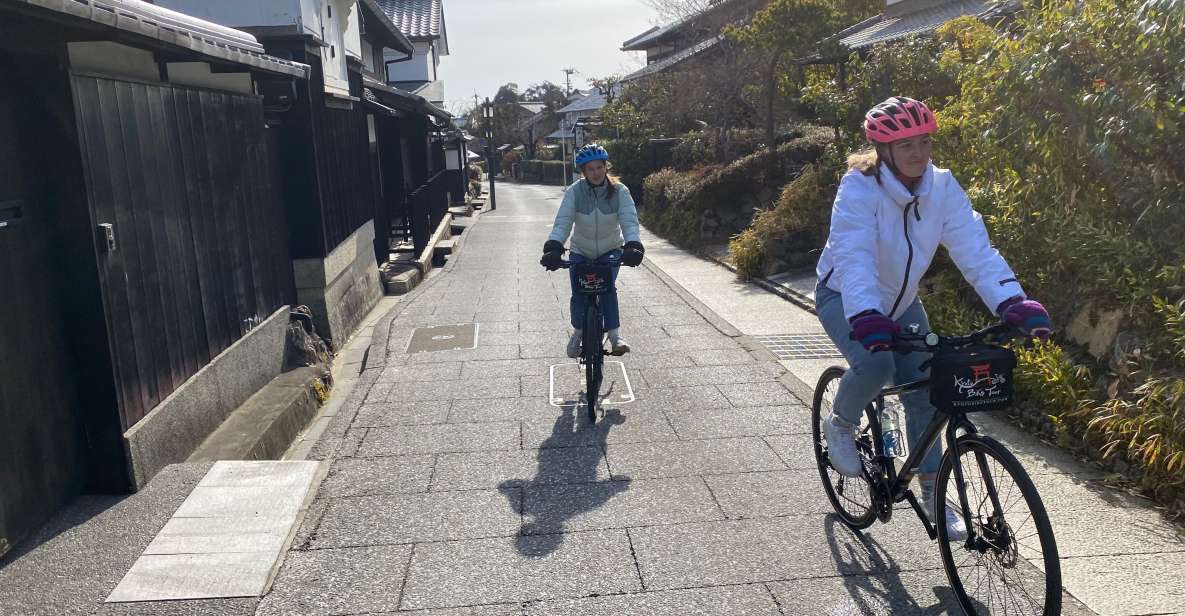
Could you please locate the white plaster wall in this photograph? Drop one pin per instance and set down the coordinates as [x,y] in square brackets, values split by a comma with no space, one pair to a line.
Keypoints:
[247,13]
[114,59]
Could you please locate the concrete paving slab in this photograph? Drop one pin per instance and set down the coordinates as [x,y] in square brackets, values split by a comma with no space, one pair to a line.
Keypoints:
[770,494]
[503,409]
[402,373]
[504,368]
[525,568]
[194,576]
[748,551]
[497,327]
[1077,533]
[795,451]
[470,389]
[745,421]
[681,398]
[481,353]
[248,501]
[565,384]
[507,609]
[371,476]
[721,357]
[192,607]
[530,467]
[713,375]
[685,458]
[440,438]
[910,593]
[216,535]
[624,424]
[617,504]
[402,412]
[340,581]
[754,600]
[269,473]
[1158,577]
[757,394]
[412,518]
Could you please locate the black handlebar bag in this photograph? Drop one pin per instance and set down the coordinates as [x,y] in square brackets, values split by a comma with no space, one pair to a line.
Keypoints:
[593,278]
[975,378]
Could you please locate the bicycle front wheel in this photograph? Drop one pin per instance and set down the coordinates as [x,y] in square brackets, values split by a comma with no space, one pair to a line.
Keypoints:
[1009,564]
[594,350]
[850,496]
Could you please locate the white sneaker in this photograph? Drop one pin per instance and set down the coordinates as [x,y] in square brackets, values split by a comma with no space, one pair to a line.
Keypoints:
[574,343]
[841,446]
[955,528]
[618,344]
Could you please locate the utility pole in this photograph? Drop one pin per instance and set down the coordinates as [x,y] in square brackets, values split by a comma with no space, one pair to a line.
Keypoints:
[488,115]
[568,81]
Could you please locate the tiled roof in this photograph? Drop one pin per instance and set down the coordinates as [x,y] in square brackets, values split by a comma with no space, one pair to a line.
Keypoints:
[883,28]
[415,18]
[592,102]
[673,59]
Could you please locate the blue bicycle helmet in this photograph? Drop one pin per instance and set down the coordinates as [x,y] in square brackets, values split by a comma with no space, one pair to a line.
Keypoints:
[590,153]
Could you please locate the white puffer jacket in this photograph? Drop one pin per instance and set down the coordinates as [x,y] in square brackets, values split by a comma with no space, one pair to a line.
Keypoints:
[596,224]
[883,239]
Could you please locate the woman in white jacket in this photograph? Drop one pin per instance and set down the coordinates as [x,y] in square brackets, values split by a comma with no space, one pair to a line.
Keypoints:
[893,209]
[599,214]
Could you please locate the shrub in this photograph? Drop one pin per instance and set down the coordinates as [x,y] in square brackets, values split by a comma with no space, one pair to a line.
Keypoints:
[676,202]
[543,171]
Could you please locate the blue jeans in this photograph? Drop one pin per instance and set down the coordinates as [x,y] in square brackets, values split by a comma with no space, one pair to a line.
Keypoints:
[609,308]
[869,372]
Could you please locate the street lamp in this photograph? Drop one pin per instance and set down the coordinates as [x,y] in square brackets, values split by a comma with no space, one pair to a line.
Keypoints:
[487,114]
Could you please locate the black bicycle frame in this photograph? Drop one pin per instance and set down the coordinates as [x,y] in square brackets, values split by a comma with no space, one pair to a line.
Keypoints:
[897,486]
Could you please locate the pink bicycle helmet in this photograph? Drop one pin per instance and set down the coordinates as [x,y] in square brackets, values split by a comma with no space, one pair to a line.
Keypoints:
[899,117]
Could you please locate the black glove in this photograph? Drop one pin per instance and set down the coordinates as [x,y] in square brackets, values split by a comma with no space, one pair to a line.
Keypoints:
[553,255]
[632,254]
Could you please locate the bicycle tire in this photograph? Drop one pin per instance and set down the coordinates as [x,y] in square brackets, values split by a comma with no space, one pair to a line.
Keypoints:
[998,532]
[593,349]
[835,485]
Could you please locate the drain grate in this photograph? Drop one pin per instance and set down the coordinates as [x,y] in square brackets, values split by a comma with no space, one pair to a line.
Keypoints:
[800,346]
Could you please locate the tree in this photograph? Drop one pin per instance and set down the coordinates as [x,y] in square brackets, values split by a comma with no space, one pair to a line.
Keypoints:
[547,93]
[788,30]
[606,86]
[507,94]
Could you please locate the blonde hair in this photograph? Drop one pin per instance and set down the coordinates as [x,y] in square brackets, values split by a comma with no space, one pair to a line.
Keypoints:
[866,161]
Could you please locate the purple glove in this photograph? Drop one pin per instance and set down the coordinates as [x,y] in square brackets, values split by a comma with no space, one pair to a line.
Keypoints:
[1027,315]
[873,330]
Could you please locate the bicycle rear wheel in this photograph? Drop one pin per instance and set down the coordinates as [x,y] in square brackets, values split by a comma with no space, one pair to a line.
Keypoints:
[593,350]
[1009,565]
[850,496]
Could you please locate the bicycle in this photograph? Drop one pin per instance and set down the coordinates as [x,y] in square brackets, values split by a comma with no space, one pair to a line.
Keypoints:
[969,373]
[593,279]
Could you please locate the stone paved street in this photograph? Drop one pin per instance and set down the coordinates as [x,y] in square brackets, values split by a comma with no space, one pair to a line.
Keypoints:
[455,484]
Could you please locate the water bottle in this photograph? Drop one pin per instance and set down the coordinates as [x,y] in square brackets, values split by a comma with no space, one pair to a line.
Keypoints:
[892,435]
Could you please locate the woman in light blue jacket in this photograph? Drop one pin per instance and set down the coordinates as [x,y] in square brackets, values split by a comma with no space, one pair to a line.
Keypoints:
[600,215]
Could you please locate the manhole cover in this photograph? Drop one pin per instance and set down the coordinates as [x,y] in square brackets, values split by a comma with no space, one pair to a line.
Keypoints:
[567,384]
[443,338]
[800,346]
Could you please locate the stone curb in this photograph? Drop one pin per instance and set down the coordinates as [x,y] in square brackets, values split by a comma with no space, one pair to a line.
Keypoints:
[784,292]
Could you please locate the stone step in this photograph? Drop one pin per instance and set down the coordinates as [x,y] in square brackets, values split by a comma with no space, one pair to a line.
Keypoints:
[264,426]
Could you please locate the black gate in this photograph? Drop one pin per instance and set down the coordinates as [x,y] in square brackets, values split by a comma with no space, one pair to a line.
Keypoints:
[186,179]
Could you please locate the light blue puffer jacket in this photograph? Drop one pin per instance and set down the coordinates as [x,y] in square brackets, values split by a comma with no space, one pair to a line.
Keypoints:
[596,224]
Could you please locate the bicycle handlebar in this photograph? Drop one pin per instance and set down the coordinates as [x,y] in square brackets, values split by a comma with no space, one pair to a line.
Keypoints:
[932,342]
[564,264]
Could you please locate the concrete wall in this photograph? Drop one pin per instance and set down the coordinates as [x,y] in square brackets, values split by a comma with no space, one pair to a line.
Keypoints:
[198,74]
[180,423]
[342,288]
[304,15]
[107,58]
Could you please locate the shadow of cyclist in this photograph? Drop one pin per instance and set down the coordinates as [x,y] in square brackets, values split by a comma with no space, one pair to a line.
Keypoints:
[872,578]
[570,474]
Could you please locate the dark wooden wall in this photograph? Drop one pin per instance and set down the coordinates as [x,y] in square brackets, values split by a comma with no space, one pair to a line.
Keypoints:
[188,179]
[43,450]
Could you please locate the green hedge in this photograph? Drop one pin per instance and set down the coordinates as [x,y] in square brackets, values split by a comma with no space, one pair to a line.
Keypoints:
[676,202]
[541,171]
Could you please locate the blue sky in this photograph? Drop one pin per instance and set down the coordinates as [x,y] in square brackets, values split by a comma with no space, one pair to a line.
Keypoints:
[492,42]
